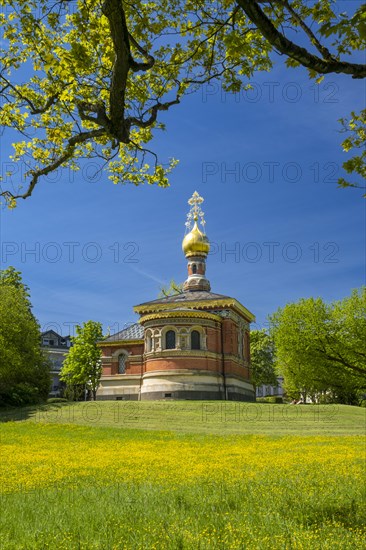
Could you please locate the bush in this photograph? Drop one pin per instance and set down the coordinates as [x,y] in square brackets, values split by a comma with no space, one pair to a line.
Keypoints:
[21,394]
[270,399]
[57,400]
[275,399]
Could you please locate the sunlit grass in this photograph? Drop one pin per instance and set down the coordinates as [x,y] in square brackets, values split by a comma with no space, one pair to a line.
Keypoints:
[68,485]
[215,417]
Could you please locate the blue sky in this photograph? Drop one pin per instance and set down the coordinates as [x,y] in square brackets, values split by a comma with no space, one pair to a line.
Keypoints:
[266,164]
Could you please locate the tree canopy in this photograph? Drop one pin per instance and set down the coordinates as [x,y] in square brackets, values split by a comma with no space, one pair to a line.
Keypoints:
[83,365]
[322,347]
[171,289]
[262,358]
[11,277]
[24,371]
[90,78]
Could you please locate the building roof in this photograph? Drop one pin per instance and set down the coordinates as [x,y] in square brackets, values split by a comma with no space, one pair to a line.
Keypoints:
[189,296]
[59,342]
[199,299]
[133,332]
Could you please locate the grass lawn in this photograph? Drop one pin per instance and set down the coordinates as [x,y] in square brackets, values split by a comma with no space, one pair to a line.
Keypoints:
[183,475]
[202,417]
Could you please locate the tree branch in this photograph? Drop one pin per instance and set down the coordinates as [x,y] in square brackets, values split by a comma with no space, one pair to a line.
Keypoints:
[134,121]
[342,361]
[115,14]
[98,108]
[286,47]
[135,66]
[33,110]
[322,49]
[68,153]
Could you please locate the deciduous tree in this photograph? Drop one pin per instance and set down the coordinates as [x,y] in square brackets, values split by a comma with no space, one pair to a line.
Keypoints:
[83,365]
[322,347]
[91,78]
[24,371]
[262,358]
[171,289]
[11,277]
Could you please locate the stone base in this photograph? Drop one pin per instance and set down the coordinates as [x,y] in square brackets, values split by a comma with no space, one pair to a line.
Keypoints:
[119,387]
[123,397]
[239,390]
[182,395]
[177,385]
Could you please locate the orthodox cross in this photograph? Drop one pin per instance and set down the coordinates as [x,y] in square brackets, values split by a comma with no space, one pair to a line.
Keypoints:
[195,213]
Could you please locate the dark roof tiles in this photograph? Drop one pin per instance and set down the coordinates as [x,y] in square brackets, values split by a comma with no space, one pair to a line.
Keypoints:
[191,296]
[133,332]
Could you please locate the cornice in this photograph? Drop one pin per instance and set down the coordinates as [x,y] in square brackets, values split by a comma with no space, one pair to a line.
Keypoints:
[180,315]
[174,354]
[199,304]
[235,359]
[120,343]
[182,372]
[116,377]
[180,323]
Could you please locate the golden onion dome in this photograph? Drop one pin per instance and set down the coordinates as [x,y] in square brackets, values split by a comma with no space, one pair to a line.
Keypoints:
[195,243]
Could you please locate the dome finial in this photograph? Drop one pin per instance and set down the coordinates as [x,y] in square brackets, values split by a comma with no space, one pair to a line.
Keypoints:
[195,242]
[196,247]
[195,213]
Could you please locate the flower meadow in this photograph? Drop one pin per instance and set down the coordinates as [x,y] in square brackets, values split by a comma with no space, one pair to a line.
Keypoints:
[69,486]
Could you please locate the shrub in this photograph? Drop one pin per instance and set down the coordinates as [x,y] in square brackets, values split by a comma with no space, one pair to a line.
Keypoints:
[270,399]
[20,394]
[275,399]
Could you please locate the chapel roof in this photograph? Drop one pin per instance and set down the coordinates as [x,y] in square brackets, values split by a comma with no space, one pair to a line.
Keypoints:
[198,299]
[133,332]
[182,297]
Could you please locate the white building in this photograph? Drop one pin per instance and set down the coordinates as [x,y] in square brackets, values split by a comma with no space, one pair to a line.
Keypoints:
[57,348]
[267,390]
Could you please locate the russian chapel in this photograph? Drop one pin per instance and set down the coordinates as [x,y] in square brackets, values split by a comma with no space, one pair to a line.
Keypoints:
[191,345]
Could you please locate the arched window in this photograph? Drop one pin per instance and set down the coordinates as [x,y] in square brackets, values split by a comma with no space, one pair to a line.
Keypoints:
[148,342]
[247,346]
[122,363]
[195,340]
[194,268]
[170,340]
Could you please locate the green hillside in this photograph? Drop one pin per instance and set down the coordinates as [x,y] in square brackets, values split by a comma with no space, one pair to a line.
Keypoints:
[182,476]
[202,417]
